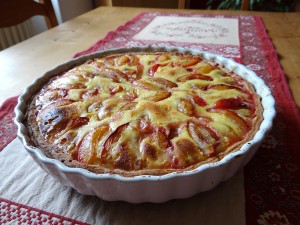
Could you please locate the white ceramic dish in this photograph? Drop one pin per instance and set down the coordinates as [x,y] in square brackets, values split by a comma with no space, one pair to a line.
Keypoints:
[146,188]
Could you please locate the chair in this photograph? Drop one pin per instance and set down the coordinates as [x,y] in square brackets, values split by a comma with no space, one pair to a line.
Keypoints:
[245,5]
[181,4]
[13,12]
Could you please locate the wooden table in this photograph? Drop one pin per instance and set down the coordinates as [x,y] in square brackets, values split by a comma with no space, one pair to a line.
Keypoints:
[24,62]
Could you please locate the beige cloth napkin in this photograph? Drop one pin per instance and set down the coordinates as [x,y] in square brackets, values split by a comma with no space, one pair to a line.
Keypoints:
[24,182]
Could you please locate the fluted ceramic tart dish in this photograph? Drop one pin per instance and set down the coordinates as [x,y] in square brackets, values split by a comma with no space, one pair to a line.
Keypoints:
[145,124]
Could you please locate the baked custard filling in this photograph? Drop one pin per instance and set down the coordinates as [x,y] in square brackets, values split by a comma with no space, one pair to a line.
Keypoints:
[143,113]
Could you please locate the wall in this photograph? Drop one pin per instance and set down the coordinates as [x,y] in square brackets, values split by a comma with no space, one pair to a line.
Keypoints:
[64,10]
[71,8]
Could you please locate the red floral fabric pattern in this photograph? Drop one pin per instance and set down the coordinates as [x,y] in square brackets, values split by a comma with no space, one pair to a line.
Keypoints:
[8,130]
[15,213]
[272,177]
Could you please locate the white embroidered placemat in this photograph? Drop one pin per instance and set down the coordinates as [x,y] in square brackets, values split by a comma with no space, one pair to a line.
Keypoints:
[215,31]
[219,34]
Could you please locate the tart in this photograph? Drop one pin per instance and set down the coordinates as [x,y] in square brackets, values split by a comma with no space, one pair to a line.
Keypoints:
[143,113]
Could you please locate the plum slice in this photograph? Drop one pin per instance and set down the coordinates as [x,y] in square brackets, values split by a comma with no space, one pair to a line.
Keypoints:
[194,76]
[87,148]
[205,137]
[164,82]
[231,103]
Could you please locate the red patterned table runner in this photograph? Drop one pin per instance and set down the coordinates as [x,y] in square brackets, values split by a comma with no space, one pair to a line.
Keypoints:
[7,128]
[12,211]
[272,177]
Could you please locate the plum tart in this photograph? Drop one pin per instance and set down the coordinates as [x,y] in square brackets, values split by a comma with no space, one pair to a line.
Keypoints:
[143,113]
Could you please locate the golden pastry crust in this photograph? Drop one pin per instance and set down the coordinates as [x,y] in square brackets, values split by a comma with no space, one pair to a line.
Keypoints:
[143,113]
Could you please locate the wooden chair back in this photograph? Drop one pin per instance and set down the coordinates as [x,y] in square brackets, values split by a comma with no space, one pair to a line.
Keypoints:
[13,12]
[181,4]
[245,5]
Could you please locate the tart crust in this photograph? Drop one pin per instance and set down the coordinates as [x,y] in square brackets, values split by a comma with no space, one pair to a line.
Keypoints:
[143,114]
